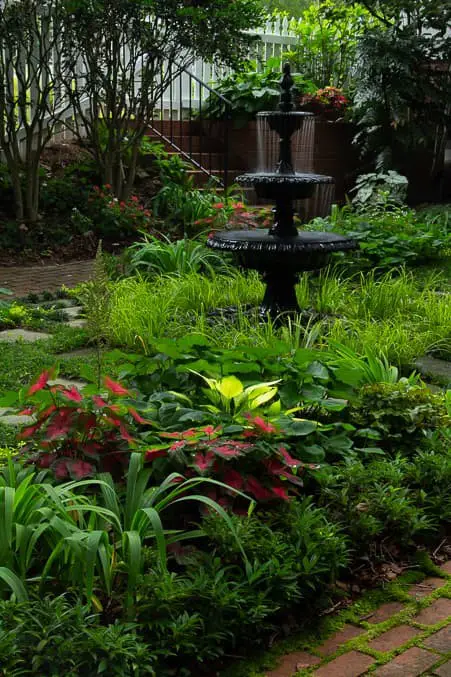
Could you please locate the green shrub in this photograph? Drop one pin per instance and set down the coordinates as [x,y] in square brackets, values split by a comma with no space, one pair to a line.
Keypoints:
[250,91]
[402,416]
[390,237]
[217,604]
[52,637]
[375,505]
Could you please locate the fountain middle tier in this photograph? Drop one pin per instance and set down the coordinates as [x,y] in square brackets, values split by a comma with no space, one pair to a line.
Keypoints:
[278,186]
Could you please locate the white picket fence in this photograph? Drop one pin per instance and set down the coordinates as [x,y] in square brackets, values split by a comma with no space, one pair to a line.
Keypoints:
[274,39]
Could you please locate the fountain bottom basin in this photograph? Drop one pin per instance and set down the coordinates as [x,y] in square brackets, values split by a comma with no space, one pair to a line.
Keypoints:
[280,260]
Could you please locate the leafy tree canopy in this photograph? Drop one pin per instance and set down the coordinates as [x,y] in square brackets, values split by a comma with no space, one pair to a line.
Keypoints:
[290,7]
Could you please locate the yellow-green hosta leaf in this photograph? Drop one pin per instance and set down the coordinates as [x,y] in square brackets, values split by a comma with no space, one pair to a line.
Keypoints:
[252,391]
[229,387]
[274,408]
[263,398]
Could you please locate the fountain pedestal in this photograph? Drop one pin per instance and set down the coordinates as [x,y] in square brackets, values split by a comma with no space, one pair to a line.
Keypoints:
[281,253]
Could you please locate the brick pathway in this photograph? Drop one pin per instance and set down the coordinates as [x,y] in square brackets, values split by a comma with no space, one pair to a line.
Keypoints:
[37,279]
[406,639]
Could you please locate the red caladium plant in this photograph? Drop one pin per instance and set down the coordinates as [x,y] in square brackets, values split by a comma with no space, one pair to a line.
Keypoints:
[252,461]
[77,432]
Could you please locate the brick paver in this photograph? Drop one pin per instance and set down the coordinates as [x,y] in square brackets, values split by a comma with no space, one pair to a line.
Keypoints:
[21,280]
[350,664]
[425,588]
[411,663]
[331,645]
[440,641]
[385,612]
[435,613]
[293,662]
[444,670]
[394,638]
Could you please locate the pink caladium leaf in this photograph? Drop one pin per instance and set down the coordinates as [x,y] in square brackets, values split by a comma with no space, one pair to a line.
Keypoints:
[61,470]
[72,394]
[99,401]
[138,418]
[227,451]
[254,487]
[233,479]
[281,492]
[261,425]
[40,383]
[114,387]
[203,462]
[289,460]
[60,423]
[80,469]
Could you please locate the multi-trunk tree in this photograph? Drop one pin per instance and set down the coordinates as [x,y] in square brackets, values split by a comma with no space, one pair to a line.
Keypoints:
[32,99]
[121,55]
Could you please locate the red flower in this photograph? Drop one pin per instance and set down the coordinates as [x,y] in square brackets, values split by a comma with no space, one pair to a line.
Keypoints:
[107,186]
[40,383]
[115,387]
[238,205]
[72,394]
[122,204]
[134,198]
[218,205]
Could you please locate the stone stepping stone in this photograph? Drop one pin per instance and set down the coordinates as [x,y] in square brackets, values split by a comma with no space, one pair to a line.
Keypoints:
[13,420]
[433,367]
[75,354]
[73,312]
[25,335]
[78,323]
[68,383]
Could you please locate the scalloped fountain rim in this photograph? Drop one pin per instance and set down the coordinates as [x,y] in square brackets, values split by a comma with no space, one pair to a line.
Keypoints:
[296,178]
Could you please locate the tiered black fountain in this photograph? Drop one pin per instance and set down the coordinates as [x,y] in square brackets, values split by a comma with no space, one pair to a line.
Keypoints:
[283,252]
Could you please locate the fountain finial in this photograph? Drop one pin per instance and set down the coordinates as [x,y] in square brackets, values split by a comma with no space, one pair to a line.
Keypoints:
[286,85]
